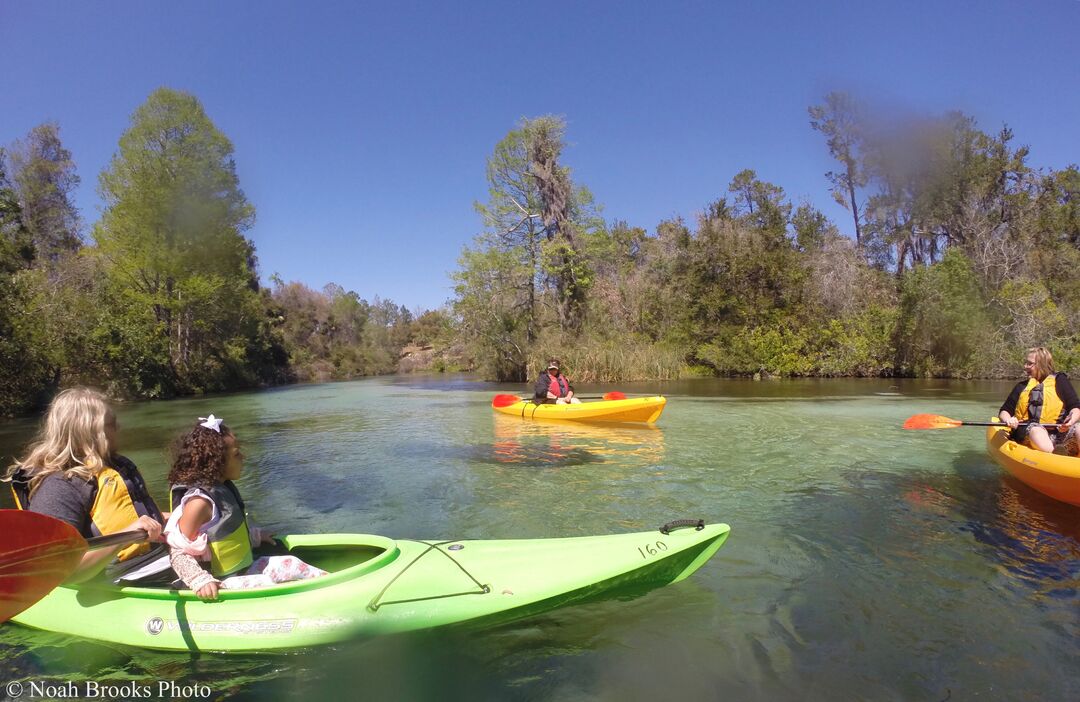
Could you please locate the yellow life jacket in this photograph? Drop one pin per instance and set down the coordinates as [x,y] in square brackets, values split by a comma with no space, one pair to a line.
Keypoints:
[1051,410]
[230,546]
[119,498]
[114,508]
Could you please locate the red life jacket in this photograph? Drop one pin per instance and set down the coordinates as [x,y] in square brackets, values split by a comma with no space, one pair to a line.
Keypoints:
[559,387]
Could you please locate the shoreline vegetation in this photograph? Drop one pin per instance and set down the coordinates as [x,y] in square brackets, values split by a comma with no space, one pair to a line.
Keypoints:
[958,255]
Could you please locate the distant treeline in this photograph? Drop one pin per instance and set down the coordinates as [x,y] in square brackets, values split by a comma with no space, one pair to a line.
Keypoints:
[163,298]
[961,255]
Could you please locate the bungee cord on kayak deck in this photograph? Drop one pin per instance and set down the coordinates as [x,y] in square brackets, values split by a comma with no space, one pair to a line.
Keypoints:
[375,604]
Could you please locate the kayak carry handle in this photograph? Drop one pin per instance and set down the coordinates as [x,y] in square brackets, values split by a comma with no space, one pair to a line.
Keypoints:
[698,525]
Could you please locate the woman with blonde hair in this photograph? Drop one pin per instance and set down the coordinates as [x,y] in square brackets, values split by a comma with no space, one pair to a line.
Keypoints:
[72,472]
[1044,397]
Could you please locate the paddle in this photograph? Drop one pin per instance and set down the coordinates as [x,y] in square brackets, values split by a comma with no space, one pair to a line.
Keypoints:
[936,421]
[37,553]
[507,400]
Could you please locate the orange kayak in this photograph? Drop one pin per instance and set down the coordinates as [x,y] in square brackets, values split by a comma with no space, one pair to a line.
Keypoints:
[1051,474]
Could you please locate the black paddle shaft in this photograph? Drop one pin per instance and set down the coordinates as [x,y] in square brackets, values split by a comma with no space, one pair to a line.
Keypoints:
[119,538]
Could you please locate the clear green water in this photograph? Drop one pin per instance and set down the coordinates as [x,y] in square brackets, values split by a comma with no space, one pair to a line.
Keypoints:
[865,562]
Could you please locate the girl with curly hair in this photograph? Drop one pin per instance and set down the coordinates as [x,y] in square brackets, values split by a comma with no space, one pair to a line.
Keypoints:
[208,524]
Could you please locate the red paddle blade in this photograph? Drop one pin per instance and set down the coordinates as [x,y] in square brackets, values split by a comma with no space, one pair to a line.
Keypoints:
[505,400]
[614,395]
[931,421]
[37,553]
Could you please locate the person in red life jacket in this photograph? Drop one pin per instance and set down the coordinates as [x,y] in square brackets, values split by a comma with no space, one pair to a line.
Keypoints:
[72,471]
[1043,397]
[553,387]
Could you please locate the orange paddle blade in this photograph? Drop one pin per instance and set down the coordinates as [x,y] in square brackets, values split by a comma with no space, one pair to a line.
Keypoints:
[614,395]
[505,400]
[931,421]
[37,553]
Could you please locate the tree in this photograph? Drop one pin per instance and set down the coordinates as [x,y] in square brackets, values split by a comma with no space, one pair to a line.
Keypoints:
[812,228]
[24,371]
[528,264]
[431,326]
[177,264]
[1053,255]
[759,204]
[513,221]
[16,242]
[45,178]
[742,272]
[336,334]
[386,332]
[491,308]
[562,212]
[945,324]
[840,120]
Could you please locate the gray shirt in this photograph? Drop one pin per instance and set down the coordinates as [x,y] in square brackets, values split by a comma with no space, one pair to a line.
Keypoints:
[68,498]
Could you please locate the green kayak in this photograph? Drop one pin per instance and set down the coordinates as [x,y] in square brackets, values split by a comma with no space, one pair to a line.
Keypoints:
[377,585]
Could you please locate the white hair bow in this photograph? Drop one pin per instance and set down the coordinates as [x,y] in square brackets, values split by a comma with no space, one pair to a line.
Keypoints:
[211,422]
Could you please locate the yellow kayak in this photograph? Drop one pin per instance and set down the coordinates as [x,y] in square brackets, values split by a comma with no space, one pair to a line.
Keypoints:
[1051,474]
[635,409]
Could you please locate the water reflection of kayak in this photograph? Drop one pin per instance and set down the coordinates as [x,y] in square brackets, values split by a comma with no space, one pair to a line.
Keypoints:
[1051,474]
[634,409]
[378,585]
[554,441]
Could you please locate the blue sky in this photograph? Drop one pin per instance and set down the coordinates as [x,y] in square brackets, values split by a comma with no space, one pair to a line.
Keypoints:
[361,129]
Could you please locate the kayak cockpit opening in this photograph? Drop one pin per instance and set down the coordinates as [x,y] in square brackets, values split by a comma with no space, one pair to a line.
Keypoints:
[338,557]
[343,556]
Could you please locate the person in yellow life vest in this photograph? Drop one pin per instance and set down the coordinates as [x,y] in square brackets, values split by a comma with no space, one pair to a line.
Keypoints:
[1045,397]
[208,525]
[73,472]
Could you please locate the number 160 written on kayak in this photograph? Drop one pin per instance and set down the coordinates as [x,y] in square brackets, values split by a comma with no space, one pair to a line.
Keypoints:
[652,549]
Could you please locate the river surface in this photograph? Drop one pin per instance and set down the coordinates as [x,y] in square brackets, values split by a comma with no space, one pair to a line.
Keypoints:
[865,562]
